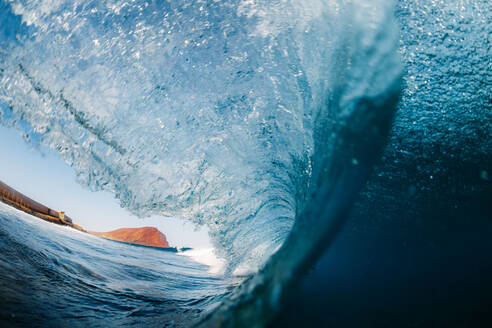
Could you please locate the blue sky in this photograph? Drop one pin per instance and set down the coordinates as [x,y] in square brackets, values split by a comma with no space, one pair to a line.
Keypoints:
[42,175]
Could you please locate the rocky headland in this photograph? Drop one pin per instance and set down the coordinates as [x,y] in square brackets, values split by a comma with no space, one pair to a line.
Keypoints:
[146,236]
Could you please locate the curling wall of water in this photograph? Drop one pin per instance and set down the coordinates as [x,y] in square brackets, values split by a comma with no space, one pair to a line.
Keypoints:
[217,112]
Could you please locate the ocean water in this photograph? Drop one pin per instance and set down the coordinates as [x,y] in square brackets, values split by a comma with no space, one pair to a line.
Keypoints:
[263,121]
[54,276]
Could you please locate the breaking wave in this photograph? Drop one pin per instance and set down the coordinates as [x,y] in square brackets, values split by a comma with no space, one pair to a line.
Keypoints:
[260,120]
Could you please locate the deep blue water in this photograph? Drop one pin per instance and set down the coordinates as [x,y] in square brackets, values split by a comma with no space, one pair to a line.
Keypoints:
[435,274]
[56,276]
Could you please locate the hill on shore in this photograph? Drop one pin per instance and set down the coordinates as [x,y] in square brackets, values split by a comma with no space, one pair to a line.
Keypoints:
[146,236]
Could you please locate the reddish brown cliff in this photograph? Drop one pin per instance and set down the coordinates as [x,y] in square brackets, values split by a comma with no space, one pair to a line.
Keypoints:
[147,236]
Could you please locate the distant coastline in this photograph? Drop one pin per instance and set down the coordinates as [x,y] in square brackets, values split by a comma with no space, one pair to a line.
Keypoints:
[164,249]
[12,197]
[145,237]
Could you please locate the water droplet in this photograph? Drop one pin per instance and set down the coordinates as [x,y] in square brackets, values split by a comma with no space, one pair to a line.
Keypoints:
[412,190]
[484,175]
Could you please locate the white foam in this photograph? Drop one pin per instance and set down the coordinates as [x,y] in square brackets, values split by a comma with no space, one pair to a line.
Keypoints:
[207,257]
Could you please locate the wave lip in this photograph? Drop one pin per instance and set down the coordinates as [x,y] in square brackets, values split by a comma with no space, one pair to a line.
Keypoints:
[349,133]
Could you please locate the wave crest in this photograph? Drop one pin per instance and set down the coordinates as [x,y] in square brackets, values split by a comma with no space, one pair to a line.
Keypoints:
[226,114]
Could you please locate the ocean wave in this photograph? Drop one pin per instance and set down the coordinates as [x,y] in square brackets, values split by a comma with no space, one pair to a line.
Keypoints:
[259,120]
[211,112]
